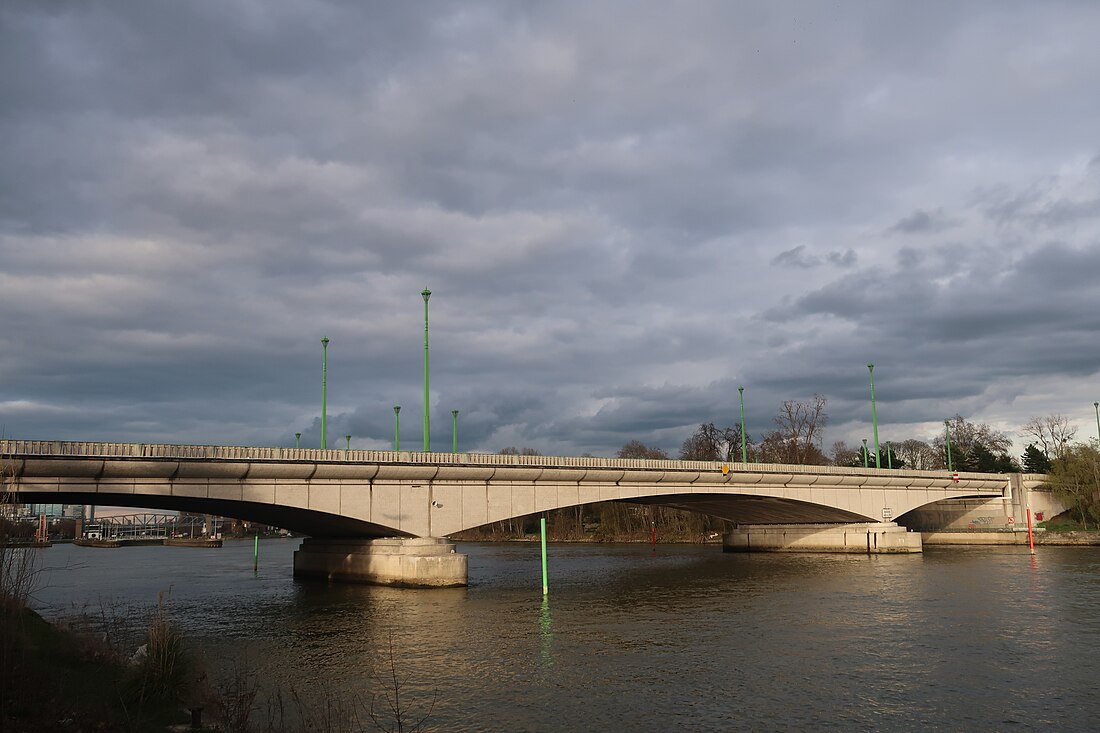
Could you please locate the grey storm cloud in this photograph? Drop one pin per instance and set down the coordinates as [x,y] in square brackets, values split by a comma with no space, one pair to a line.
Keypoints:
[922,222]
[800,257]
[624,212]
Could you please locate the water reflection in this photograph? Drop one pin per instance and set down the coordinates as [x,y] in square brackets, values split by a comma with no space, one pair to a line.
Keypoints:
[546,638]
[683,639]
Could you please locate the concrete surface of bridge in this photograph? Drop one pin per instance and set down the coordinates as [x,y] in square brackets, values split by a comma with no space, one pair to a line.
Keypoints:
[348,500]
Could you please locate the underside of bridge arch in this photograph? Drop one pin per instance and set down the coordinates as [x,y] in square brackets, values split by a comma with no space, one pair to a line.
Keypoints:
[300,521]
[944,513]
[748,509]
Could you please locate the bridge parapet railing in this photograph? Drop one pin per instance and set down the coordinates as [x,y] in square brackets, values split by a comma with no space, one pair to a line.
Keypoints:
[9,448]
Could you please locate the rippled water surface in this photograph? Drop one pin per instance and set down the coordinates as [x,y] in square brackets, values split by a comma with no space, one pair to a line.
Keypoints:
[684,638]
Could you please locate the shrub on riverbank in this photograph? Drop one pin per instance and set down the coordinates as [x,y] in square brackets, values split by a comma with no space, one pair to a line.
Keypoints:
[1065,522]
[62,679]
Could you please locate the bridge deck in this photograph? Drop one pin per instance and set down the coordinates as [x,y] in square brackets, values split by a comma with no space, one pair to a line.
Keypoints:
[360,492]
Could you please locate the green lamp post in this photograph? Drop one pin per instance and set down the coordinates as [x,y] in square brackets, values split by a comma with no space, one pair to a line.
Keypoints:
[454,431]
[348,438]
[297,440]
[889,455]
[1096,406]
[947,441]
[744,452]
[324,389]
[427,429]
[865,453]
[874,415]
[397,427]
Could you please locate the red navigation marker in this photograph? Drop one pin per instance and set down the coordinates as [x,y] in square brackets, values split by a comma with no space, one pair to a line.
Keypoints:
[955,476]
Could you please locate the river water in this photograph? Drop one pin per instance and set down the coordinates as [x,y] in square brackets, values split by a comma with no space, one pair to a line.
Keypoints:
[683,638]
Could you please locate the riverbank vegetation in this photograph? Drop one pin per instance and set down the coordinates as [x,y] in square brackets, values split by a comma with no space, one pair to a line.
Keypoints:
[77,676]
[1075,478]
[86,675]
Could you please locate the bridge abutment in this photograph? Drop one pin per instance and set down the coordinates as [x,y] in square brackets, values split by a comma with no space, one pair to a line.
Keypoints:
[861,537]
[417,562]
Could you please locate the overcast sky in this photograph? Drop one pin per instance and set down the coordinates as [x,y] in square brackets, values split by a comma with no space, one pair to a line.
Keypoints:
[624,211]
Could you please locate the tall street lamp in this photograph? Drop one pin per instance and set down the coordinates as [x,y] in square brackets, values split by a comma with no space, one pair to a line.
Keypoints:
[947,441]
[397,427]
[744,454]
[324,389]
[889,455]
[348,438]
[454,431]
[1096,406]
[865,453]
[427,440]
[297,440]
[874,415]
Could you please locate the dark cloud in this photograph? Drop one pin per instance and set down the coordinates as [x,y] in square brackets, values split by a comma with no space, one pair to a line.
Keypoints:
[621,222]
[800,257]
[922,222]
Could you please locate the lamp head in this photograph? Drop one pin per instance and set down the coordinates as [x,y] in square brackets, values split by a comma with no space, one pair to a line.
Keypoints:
[396,409]
[427,294]
[324,341]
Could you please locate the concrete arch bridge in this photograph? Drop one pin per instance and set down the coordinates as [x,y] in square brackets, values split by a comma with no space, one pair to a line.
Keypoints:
[381,516]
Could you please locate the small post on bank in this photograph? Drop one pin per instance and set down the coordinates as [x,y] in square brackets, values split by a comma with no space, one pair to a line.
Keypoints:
[1030,536]
[256,555]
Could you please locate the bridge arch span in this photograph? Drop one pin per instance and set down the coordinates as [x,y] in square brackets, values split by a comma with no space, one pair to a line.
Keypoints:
[296,519]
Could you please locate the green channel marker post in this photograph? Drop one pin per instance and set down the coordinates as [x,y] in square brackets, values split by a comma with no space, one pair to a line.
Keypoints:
[545,586]
[256,555]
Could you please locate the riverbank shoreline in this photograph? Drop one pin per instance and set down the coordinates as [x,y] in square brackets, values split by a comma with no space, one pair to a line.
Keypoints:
[934,538]
[1075,538]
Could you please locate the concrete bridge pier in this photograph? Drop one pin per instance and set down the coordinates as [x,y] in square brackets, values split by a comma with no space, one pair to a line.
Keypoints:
[865,537]
[414,562]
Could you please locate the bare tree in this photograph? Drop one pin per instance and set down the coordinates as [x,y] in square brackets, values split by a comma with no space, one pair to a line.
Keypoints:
[845,456]
[1052,432]
[970,442]
[638,449]
[710,443]
[513,451]
[798,437]
[919,455]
